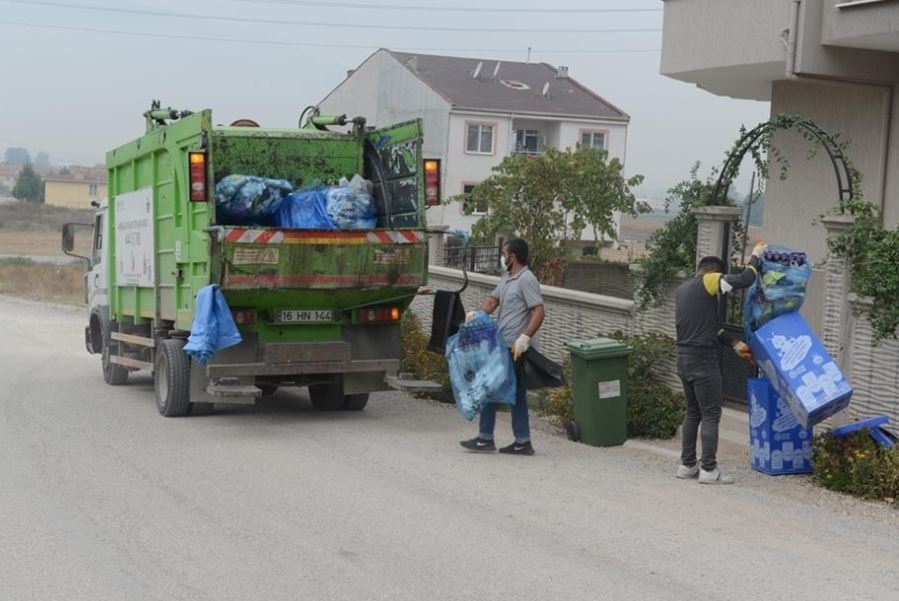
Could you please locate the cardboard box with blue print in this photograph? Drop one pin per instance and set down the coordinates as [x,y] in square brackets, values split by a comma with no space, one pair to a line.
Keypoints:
[800,369]
[778,443]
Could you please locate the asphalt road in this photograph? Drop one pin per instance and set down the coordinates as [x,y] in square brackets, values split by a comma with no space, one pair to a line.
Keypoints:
[103,499]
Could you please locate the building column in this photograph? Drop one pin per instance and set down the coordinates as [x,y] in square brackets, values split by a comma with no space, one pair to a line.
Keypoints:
[836,293]
[714,222]
[436,236]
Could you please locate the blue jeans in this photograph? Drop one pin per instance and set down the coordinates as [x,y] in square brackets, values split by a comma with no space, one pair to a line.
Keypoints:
[520,424]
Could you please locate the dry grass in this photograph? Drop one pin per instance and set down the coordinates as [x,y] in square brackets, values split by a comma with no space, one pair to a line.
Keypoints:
[38,217]
[46,283]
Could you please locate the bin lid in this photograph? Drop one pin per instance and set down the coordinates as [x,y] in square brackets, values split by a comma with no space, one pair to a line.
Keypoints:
[598,348]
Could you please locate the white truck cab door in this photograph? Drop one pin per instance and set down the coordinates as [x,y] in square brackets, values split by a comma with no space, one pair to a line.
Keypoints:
[96,277]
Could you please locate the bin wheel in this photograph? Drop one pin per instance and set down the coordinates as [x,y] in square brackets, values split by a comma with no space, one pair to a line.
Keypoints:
[571,429]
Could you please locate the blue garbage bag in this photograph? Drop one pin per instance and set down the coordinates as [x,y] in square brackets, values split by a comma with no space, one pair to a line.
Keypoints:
[248,199]
[480,367]
[213,328]
[305,210]
[351,207]
[780,288]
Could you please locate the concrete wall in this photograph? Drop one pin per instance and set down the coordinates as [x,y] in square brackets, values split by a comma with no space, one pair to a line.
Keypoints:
[871,369]
[570,315]
[610,279]
[891,190]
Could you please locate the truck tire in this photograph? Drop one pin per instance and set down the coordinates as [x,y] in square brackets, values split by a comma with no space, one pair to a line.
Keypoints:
[171,379]
[114,375]
[355,402]
[202,408]
[327,397]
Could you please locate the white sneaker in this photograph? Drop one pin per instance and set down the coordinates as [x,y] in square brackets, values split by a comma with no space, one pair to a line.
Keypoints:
[685,473]
[715,477]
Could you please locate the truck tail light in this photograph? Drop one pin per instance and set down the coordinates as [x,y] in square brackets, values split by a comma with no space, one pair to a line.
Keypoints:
[197,176]
[243,317]
[432,182]
[379,315]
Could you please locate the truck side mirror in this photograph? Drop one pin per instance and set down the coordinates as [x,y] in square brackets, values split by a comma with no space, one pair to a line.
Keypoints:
[68,237]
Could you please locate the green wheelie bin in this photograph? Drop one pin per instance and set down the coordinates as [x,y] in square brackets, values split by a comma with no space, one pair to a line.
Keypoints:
[599,386]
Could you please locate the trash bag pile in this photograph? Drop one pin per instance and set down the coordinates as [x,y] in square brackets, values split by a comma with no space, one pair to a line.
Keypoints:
[213,328]
[248,199]
[253,200]
[480,366]
[779,289]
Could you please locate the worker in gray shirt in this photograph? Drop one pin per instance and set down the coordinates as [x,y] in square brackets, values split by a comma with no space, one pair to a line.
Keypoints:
[521,314]
[699,334]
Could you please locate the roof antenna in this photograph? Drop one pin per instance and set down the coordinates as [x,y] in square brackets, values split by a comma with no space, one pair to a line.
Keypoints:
[545,91]
[477,70]
[496,69]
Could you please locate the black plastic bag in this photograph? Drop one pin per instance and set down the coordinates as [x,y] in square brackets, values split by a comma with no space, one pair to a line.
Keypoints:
[540,372]
[447,316]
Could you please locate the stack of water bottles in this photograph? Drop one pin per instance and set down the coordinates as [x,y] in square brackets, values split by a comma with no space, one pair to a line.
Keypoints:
[480,366]
[801,380]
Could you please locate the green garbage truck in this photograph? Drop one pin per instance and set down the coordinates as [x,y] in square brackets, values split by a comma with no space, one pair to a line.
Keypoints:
[315,308]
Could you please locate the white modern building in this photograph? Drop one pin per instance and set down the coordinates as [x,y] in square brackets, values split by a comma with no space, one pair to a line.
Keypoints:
[835,61]
[476,112]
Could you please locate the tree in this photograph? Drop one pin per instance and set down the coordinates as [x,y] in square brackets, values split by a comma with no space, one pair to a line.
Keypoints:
[552,198]
[29,185]
[17,156]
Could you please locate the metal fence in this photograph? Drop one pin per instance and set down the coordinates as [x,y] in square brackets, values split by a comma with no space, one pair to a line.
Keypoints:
[479,259]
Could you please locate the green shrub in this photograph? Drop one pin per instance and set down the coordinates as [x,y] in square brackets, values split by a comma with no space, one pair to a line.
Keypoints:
[856,465]
[654,410]
[417,360]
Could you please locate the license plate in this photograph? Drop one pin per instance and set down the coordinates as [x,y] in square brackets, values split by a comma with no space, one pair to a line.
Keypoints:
[304,316]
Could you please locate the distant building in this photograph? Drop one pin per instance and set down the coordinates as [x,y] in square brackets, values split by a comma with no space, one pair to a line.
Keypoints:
[76,187]
[476,112]
[8,175]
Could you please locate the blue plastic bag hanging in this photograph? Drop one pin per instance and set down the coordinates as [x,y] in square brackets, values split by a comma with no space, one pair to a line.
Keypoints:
[780,288]
[305,210]
[213,328]
[480,367]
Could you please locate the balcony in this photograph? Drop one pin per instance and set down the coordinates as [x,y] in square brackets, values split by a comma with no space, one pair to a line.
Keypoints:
[867,24]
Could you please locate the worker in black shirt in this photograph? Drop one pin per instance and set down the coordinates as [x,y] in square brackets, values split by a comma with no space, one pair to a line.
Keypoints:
[699,333]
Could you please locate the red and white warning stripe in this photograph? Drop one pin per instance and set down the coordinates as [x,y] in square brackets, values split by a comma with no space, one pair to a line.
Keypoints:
[275,236]
[246,236]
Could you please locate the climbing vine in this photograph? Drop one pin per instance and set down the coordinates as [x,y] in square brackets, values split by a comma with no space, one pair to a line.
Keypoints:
[672,249]
[872,255]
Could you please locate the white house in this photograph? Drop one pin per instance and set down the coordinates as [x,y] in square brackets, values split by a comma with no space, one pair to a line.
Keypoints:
[836,61]
[476,112]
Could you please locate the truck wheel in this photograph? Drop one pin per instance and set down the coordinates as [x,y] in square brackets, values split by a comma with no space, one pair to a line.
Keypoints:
[114,375]
[202,408]
[267,389]
[355,402]
[327,397]
[171,378]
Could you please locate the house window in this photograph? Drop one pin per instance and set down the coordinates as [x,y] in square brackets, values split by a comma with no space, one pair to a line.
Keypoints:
[92,189]
[479,208]
[480,139]
[527,141]
[593,139]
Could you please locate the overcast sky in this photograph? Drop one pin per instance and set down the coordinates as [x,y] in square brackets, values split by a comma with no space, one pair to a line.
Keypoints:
[77,92]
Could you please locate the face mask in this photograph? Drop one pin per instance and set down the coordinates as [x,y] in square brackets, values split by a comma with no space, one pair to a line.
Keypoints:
[502,263]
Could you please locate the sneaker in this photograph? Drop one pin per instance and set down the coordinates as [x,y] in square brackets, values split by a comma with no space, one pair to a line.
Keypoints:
[686,473]
[715,477]
[479,445]
[518,448]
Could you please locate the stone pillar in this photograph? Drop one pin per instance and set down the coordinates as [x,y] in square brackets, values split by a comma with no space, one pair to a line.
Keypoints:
[713,222]
[836,294]
[436,235]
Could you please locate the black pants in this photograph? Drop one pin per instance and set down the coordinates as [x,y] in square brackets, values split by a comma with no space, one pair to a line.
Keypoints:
[700,374]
